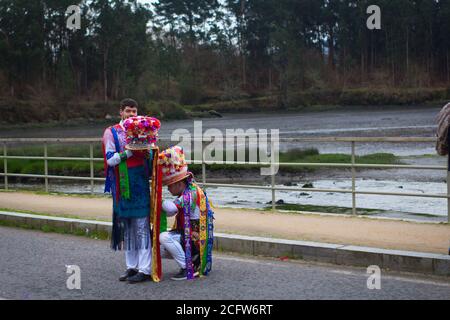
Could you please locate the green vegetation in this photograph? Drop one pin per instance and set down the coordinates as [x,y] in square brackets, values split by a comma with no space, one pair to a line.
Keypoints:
[306,156]
[56,167]
[322,99]
[100,235]
[313,156]
[323,209]
[82,168]
[166,110]
[317,100]
[290,208]
[49,215]
[229,56]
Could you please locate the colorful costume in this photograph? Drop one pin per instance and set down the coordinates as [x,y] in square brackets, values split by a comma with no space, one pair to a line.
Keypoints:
[136,204]
[193,228]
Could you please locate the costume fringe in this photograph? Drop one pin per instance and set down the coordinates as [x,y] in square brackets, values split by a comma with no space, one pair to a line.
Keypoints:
[117,233]
[131,233]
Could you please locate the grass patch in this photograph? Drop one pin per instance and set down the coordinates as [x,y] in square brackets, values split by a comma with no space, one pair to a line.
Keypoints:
[76,195]
[57,193]
[49,215]
[313,156]
[97,235]
[427,155]
[323,209]
[82,168]
[327,99]
[51,112]
[305,156]
[166,110]
[57,150]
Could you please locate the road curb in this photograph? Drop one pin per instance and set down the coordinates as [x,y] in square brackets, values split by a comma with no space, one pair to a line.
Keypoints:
[403,261]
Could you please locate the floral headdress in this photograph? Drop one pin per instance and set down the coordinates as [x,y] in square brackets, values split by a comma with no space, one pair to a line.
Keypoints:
[173,165]
[141,132]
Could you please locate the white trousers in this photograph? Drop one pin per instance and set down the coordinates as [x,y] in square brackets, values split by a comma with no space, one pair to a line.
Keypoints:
[140,260]
[171,248]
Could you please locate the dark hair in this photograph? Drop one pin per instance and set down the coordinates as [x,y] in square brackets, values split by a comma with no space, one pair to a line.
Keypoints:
[128,103]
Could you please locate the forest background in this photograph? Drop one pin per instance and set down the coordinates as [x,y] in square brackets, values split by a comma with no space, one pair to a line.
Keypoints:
[194,58]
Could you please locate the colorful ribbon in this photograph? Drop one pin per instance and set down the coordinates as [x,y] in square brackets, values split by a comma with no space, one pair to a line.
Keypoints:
[194,196]
[124,181]
[155,216]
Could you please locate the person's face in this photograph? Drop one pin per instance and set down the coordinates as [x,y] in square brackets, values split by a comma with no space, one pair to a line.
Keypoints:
[128,112]
[177,188]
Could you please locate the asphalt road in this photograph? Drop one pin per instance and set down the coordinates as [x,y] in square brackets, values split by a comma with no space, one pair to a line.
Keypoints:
[33,266]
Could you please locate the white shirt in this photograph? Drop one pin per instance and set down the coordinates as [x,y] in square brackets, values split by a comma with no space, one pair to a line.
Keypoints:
[110,146]
[171,209]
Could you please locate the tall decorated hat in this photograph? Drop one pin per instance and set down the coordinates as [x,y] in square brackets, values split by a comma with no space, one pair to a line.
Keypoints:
[141,132]
[173,165]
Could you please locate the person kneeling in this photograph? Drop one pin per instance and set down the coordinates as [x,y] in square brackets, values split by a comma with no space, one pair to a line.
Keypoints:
[190,241]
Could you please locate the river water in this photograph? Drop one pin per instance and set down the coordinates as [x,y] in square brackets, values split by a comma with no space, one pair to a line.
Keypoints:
[362,122]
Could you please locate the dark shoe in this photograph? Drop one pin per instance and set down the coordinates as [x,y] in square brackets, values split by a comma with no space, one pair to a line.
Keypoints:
[127,274]
[139,277]
[182,275]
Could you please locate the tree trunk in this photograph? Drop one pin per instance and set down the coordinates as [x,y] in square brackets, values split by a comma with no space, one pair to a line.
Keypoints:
[362,55]
[85,73]
[386,62]
[331,48]
[372,53]
[105,75]
[448,69]
[244,68]
[362,64]
[344,71]
[11,85]
[393,64]
[407,51]
[270,78]
[242,45]
[116,85]
[168,84]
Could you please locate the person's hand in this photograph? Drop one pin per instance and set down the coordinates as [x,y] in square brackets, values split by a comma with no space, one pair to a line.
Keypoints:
[195,236]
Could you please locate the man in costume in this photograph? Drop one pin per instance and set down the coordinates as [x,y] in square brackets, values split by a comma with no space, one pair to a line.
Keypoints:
[127,178]
[190,241]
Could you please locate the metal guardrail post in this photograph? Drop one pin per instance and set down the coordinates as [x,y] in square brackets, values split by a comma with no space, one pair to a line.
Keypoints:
[91,162]
[353,179]
[5,165]
[272,147]
[203,165]
[273,193]
[46,166]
